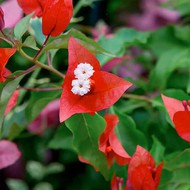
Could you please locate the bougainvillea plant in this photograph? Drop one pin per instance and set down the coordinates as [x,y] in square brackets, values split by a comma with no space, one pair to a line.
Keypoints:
[81,100]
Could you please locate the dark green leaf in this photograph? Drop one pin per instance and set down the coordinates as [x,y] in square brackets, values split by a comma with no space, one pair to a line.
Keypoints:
[86,130]
[6,91]
[157,150]
[62,139]
[128,134]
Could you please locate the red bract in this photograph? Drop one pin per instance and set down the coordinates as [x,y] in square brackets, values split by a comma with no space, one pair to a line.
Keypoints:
[30,6]
[9,153]
[5,54]
[56,16]
[102,89]
[116,183]
[142,172]
[2,22]
[179,112]
[110,145]
[12,102]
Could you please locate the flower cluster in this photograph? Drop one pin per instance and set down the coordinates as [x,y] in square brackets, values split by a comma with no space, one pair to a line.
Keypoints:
[82,84]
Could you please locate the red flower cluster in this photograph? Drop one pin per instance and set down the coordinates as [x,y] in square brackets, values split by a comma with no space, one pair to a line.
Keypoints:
[179,112]
[142,173]
[56,14]
[86,89]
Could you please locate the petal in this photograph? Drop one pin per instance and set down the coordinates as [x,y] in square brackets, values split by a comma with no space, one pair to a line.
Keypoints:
[140,157]
[30,6]
[114,185]
[56,16]
[78,54]
[9,153]
[181,121]
[108,89]
[111,122]
[158,174]
[5,54]
[12,102]
[121,155]
[116,182]
[172,105]
[141,179]
[16,13]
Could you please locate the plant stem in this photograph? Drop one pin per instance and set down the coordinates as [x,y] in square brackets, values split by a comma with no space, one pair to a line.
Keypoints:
[39,64]
[138,97]
[42,47]
[6,38]
[48,58]
[29,70]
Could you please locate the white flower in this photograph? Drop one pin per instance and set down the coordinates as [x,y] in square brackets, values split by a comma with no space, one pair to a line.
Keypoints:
[80,86]
[83,71]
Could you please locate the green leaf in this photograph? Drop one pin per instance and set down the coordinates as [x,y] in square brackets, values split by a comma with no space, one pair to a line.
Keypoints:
[54,168]
[14,123]
[157,150]
[38,101]
[84,40]
[62,139]
[128,134]
[16,184]
[132,37]
[36,30]
[86,131]
[6,91]
[178,164]
[43,186]
[169,61]
[188,85]
[123,38]
[22,26]
[30,42]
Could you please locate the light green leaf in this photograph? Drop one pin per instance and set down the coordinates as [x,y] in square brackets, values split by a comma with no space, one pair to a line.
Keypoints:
[84,40]
[43,186]
[22,26]
[16,184]
[86,131]
[30,42]
[36,30]
[169,61]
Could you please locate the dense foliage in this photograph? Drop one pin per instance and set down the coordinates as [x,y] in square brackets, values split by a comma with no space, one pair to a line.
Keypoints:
[89,105]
